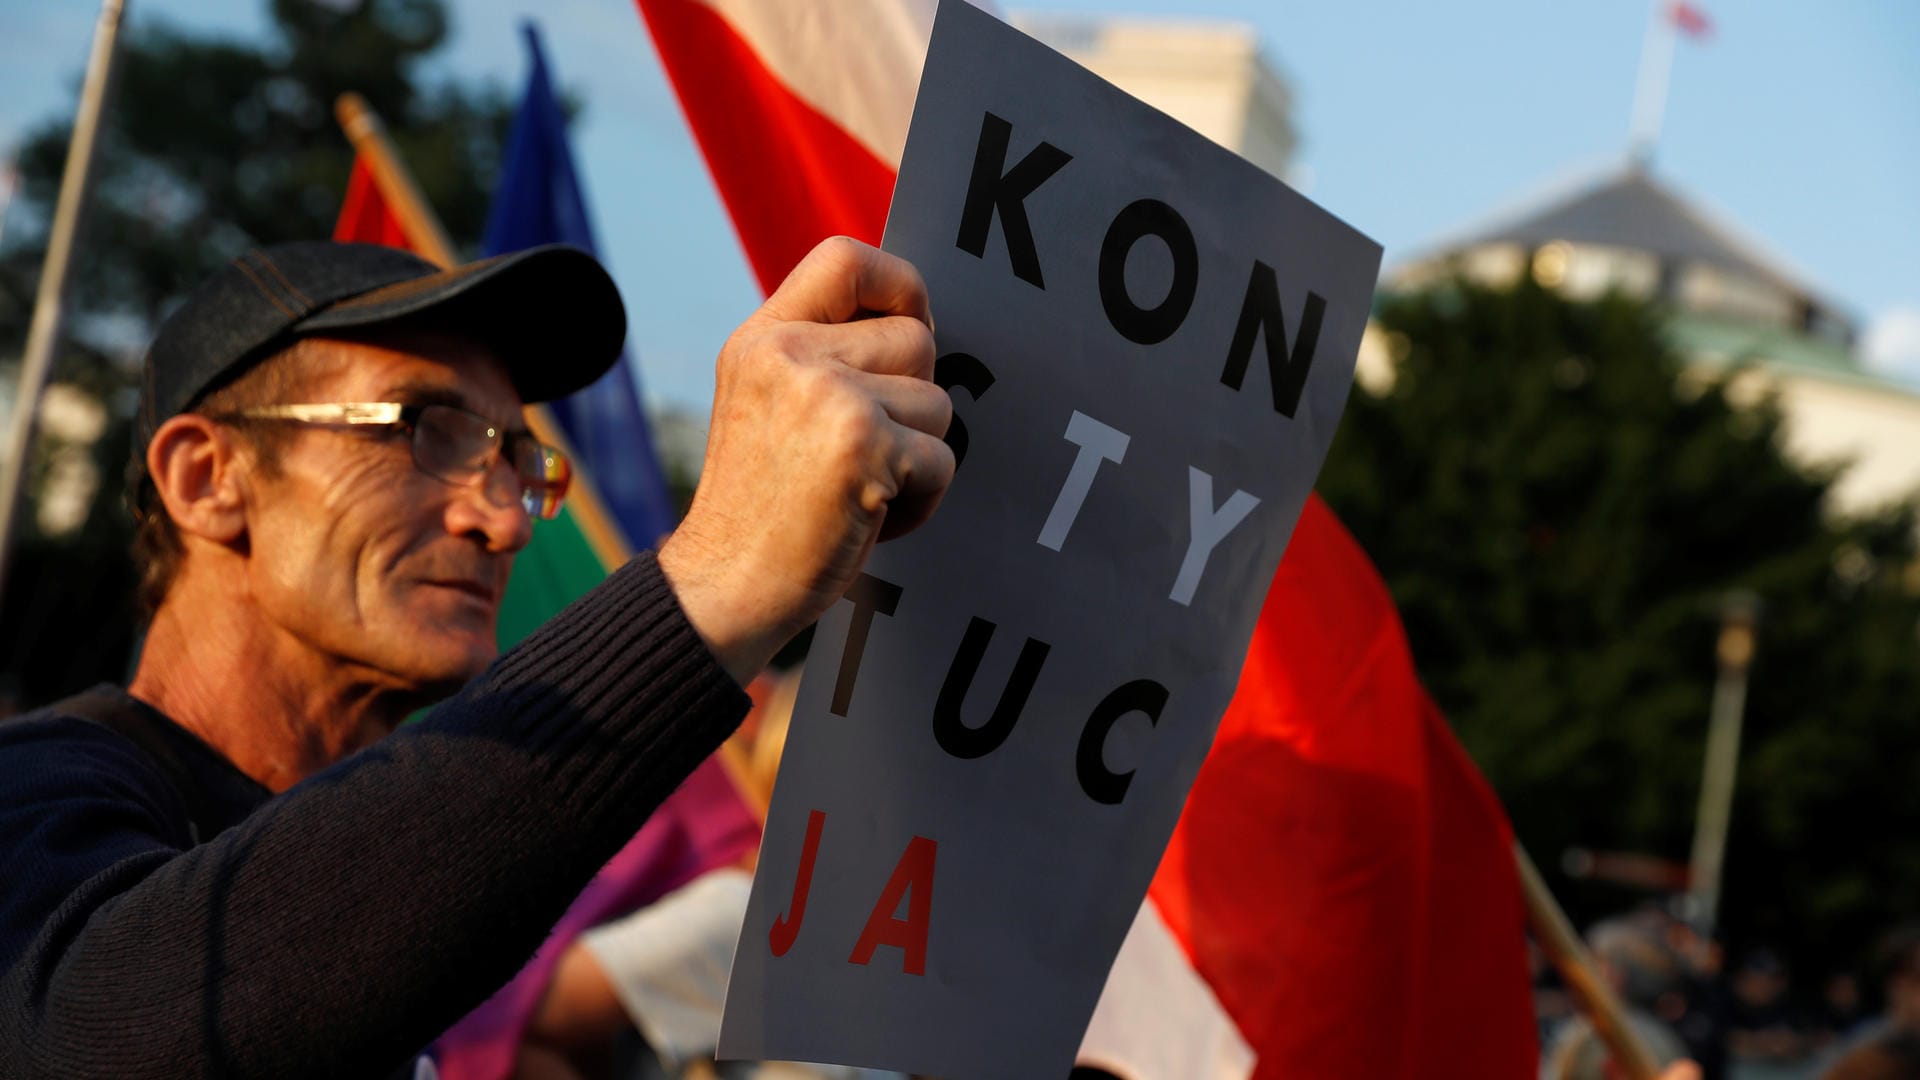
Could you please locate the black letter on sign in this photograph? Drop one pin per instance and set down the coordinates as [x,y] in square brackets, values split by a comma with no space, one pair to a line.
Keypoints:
[994,185]
[1260,315]
[1101,784]
[969,374]
[955,736]
[869,594]
[1148,217]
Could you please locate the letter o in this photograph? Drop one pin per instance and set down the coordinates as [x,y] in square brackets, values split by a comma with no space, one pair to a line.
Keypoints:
[1148,326]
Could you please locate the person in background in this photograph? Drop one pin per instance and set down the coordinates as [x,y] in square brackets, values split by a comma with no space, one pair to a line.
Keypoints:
[1889,1048]
[1641,970]
[1766,1029]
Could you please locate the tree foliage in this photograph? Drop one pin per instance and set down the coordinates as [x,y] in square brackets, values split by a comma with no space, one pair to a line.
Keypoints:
[210,146]
[213,145]
[1559,511]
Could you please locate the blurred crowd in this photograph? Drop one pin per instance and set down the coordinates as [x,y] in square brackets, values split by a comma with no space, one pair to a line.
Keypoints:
[1748,1017]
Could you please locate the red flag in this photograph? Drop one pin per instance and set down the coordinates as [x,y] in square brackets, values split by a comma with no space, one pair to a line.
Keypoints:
[1342,880]
[365,217]
[1689,20]
[1342,876]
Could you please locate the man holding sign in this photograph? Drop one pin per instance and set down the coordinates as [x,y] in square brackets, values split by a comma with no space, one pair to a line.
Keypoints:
[1149,343]
[242,865]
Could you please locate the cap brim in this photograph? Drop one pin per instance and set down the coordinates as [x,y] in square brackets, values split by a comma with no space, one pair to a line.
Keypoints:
[550,313]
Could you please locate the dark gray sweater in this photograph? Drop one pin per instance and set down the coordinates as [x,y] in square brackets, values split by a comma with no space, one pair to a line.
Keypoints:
[336,929]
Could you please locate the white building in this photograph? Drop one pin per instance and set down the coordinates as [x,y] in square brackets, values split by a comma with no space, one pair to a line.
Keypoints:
[1729,304]
[1210,75]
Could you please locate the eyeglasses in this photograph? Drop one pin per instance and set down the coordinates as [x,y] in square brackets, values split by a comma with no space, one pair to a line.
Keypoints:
[450,444]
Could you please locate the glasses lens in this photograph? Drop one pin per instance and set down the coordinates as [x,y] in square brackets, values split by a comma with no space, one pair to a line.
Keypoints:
[453,444]
[545,474]
[456,446]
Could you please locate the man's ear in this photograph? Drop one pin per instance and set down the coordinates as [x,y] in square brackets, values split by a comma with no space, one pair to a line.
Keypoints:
[199,473]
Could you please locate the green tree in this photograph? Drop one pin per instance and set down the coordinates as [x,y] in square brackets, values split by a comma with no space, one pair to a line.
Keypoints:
[1558,511]
[211,146]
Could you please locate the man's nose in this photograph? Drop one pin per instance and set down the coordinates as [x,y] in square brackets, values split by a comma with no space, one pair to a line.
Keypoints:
[490,506]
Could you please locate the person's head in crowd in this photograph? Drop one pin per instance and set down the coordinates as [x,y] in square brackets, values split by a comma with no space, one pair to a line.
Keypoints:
[1898,963]
[1635,960]
[1840,996]
[1761,978]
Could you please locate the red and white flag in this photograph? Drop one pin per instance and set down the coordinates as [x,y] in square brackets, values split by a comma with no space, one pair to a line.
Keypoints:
[1689,19]
[1339,899]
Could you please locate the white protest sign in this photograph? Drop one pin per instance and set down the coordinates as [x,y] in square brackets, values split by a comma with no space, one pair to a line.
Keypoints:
[1149,343]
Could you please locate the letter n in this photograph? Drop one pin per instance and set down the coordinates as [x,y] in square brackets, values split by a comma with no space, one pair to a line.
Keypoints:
[913,874]
[1261,317]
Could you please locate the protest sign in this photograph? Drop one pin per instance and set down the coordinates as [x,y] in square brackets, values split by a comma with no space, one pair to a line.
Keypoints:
[1149,343]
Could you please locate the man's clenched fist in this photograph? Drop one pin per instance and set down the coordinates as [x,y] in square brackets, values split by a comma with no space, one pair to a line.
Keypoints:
[826,438]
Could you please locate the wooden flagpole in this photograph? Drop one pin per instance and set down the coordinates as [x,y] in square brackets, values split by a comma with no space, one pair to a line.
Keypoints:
[50,303]
[1576,965]
[369,138]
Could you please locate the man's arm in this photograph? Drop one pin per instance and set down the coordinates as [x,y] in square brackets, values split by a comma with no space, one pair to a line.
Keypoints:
[347,922]
[340,927]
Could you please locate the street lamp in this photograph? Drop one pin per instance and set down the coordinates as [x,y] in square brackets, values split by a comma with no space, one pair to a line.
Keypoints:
[1739,614]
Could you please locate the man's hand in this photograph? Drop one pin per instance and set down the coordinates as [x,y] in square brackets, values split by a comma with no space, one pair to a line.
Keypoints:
[826,438]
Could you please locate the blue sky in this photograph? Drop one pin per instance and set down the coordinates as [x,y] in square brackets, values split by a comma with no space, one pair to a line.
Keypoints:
[1798,122]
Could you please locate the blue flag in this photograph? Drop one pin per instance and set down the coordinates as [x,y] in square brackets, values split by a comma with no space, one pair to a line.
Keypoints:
[540,202]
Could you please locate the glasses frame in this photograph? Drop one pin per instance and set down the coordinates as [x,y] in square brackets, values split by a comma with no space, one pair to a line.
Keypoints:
[541,499]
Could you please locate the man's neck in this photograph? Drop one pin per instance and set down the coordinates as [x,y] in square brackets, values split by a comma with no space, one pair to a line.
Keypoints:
[266,701]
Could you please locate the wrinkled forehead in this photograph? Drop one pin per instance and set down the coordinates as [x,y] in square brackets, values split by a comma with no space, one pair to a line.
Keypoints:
[416,367]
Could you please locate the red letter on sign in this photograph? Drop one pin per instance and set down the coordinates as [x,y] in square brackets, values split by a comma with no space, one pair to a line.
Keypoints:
[915,871]
[787,927]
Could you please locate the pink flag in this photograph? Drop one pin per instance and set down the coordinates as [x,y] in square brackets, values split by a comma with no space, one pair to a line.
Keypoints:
[703,825]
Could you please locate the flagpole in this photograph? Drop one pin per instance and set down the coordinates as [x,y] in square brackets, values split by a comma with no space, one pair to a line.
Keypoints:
[9,183]
[1582,974]
[369,138]
[1650,88]
[1739,611]
[49,306]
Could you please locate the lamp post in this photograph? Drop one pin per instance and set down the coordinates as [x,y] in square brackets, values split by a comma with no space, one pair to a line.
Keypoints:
[1739,613]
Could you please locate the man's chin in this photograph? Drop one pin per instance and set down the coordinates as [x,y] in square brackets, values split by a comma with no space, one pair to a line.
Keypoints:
[441,662]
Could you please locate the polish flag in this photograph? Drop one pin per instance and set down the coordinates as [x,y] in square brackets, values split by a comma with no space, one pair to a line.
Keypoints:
[1689,19]
[1339,899]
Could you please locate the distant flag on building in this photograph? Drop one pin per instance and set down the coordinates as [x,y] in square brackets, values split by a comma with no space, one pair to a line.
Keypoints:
[1340,898]
[1689,19]
[705,824]
[540,202]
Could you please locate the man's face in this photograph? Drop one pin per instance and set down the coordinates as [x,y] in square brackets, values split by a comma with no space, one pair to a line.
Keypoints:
[368,561]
